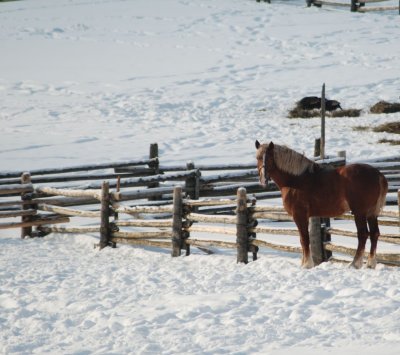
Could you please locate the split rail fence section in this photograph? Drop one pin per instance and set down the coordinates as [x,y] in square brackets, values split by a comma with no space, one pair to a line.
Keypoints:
[355,5]
[145,203]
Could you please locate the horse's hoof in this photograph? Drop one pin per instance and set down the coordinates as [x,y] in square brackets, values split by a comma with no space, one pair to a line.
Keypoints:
[354,265]
[308,264]
[371,264]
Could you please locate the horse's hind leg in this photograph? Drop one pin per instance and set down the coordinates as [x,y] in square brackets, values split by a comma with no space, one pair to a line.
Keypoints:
[362,235]
[374,235]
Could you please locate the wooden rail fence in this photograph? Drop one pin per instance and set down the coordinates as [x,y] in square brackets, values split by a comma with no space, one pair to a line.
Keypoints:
[145,203]
[355,5]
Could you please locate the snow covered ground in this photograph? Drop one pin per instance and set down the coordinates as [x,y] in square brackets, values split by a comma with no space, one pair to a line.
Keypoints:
[99,80]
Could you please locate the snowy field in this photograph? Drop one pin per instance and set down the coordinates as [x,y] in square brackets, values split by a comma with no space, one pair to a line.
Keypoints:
[84,81]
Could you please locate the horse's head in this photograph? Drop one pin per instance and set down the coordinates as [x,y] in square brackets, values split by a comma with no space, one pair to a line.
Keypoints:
[265,158]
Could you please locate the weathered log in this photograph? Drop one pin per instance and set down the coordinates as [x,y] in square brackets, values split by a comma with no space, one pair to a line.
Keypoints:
[87,167]
[144,223]
[210,167]
[210,243]
[142,209]
[223,190]
[14,204]
[331,3]
[68,211]
[67,178]
[382,222]
[209,202]
[143,242]
[12,214]
[387,257]
[35,222]
[69,193]
[141,235]
[266,230]
[254,209]
[197,217]
[76,229]
[66,201]
[389,238]
[16,189]
[386,213]
[134,195]
[286,248]
[208,229]
[377,8]
[275,216]
[229,176]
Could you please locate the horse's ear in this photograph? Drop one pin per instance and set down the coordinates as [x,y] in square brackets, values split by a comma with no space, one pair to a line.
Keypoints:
[257,144]
[271,146]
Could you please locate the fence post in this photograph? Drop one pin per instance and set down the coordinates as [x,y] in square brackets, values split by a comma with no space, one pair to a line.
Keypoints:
[26,196]
[156,166]
[325,238]
[322,145]
[241,226]
[317,251]
[177,240]
[105,231]
[252,223]
[192,184]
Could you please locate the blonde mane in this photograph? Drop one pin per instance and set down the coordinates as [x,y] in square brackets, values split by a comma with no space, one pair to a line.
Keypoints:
[292,162]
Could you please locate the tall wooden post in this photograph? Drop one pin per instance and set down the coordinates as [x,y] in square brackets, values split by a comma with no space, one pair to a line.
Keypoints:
[177,240]
[241,226]
[192,184]
[322,149]
[105,231]
[316,240]
[156,166]
[325,237]
[353,6]
[26,196]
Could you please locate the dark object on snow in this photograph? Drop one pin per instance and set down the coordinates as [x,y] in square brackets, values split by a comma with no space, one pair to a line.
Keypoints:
[332,105]
[385,107]
[309,103]
[314,102]
[390,127]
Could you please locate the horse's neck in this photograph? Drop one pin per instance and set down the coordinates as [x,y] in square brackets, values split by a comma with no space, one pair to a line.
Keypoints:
[284,179]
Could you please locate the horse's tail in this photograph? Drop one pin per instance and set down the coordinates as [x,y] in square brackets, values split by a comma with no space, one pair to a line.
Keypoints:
[383,185]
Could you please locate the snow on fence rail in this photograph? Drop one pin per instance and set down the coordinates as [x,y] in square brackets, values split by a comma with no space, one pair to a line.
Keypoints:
[170,207]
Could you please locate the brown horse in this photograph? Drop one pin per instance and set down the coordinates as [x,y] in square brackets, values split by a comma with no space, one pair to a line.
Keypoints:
[309,190]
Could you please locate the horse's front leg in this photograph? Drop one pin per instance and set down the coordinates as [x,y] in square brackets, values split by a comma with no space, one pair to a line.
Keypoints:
[362,235]
[302,225]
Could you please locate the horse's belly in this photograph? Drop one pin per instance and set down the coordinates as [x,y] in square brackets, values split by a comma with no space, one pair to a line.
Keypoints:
[329,208]
[329,205]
